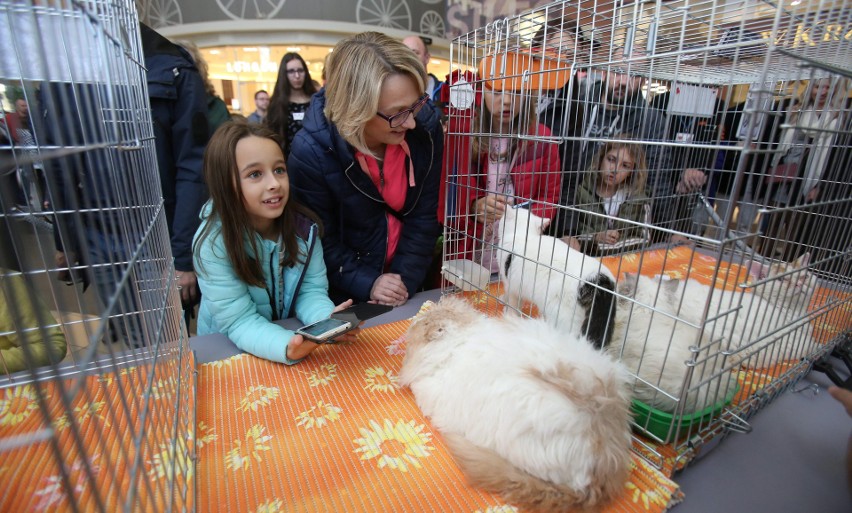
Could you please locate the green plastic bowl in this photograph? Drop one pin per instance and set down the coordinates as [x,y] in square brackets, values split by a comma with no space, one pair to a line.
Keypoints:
[659,423]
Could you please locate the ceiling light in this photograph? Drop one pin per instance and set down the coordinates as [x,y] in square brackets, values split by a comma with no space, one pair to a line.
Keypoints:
[294,49]
[250,49]
[214,52]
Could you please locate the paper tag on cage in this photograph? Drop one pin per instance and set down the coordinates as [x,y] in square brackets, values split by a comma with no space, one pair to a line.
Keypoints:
[683,137]
[690,100]
[462,95]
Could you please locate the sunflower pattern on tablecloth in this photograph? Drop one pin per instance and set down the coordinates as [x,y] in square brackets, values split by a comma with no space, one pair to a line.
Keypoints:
[319,415]
[342,435]
[126,437]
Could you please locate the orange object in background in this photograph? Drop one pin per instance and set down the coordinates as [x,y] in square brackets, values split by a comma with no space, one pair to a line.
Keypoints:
[517,71]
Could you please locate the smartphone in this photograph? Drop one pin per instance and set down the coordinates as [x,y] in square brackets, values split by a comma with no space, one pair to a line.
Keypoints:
[324,330]
[361,312]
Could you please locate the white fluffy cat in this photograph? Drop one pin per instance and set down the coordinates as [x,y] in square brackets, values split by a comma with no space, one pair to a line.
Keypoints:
[547,272]
[528,412]
[765,328]
[656,346]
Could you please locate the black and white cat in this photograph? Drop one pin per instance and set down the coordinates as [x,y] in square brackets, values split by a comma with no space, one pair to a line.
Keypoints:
[571,290]
[527,411]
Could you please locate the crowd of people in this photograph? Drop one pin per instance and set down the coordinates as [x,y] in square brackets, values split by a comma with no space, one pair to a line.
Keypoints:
[334,193]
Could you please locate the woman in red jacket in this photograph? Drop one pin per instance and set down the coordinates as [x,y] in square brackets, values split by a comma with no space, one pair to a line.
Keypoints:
[497,155]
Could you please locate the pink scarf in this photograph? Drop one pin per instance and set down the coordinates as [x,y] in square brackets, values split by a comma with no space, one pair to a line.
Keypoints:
[391,183]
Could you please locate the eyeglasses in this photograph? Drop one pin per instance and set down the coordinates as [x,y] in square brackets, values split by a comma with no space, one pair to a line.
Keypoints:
[401,117]
[299,71]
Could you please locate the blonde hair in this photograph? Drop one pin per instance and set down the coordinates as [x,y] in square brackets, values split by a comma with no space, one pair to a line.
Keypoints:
[838,88]
[634,148]
[357,68]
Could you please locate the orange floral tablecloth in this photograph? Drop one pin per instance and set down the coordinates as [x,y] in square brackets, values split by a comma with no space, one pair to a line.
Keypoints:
[333,433]
[122,434]
[337,433]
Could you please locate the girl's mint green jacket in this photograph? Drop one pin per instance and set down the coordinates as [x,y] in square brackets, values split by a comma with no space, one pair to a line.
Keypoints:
[242,312]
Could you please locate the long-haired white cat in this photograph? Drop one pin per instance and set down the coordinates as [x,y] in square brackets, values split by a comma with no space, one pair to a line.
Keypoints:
[765,325]
[655,346]
[528,411]
[563,283]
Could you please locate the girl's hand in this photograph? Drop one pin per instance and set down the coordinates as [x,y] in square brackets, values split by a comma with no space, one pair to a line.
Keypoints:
[342,306]
[388,289]
[607,237]
[572,242]
[491,207]
[299,347]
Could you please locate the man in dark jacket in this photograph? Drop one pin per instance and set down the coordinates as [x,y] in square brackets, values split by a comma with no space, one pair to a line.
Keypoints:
[179,112]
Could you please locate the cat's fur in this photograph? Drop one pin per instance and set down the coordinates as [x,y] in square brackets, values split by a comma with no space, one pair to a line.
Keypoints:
[655,346]
[571,290]
[528,411]
[769,310]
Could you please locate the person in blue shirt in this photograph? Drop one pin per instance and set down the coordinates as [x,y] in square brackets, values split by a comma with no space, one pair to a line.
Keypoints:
[257,252]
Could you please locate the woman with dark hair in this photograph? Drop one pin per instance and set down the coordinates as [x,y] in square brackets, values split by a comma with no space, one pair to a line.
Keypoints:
[290,99]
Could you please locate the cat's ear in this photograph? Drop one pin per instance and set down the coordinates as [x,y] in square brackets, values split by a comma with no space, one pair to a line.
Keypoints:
[758,271]
[545,223]
[669,285]
[627,284]
[802,261]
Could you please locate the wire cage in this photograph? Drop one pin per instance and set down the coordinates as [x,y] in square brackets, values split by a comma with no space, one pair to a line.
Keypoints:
[97,391]
[689,160]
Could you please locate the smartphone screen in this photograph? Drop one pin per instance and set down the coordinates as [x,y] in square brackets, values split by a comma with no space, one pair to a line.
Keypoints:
[324,329]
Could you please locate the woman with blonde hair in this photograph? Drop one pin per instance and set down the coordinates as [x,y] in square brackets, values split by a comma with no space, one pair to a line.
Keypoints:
[367,160]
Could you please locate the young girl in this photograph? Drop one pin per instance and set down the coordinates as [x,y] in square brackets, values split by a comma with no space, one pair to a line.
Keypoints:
[488,168]
[257,251]
[613,189]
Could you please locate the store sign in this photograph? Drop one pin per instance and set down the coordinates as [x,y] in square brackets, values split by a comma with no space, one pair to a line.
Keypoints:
[814,33]
[251,67]
[466,15]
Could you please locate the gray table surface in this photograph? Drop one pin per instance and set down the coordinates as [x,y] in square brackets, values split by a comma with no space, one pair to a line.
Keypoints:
[792,461]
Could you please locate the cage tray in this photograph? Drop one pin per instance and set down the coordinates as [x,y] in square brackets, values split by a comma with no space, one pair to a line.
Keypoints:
[659,422]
